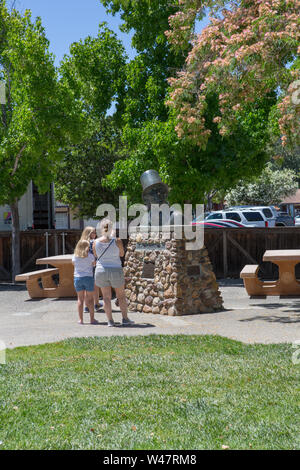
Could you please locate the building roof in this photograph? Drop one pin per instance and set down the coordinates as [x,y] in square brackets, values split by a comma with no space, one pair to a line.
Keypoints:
[295,199]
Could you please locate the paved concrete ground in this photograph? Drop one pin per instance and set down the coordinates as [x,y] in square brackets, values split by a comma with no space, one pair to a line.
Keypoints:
[24,321]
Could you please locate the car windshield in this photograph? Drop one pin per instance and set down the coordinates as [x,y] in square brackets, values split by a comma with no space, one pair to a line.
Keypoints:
[253,216]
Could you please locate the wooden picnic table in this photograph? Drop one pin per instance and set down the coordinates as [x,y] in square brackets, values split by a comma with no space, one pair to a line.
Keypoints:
[65,286]
[287,284]
[41,284]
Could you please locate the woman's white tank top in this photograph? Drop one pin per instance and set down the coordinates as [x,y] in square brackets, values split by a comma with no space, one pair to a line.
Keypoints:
[111,257]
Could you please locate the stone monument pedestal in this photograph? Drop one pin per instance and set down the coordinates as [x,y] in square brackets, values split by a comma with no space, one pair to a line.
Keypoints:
[163,277]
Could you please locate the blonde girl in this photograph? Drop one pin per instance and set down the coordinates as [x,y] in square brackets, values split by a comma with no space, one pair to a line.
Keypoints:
[90,234]
[109,272]
[83,262]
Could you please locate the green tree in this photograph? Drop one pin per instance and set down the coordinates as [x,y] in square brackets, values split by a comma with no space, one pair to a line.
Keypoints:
[150,134]
[248,48]
[38,117]
[271,187]
[79,179]
[192,173]
[94,72]
[285,158]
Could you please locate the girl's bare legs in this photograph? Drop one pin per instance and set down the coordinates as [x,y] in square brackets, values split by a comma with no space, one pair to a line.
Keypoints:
[85,303]
[89,301]
[120,292]
[95,297]
[106,294]
[80,302]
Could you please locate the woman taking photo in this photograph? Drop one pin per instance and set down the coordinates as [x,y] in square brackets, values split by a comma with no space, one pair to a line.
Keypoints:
[109,272]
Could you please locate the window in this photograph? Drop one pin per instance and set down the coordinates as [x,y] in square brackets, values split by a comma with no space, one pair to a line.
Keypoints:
[233,216]
[62,221]
[268,213]
[217,215]
[253,216]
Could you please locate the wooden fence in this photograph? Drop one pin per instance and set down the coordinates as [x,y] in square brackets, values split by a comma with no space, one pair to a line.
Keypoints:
[229,249]
[36,244]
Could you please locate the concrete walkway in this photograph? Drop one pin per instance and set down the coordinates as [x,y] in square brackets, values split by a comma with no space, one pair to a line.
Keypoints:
[24,321]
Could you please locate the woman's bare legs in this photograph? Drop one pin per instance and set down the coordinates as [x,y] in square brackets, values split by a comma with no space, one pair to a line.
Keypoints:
[106,294]
[120,292]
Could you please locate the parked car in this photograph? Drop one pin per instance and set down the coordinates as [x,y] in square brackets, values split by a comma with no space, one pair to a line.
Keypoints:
[275,217]
[247,217]
[269,212]
[285,220]
[218,224]
[297,221]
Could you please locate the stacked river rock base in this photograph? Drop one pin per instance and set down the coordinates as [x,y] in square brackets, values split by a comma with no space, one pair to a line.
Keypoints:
[163,277]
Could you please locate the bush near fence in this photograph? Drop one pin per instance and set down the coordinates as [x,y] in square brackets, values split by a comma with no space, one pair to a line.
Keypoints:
[229,249]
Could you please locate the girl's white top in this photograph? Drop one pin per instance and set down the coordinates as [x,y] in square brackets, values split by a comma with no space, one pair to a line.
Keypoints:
[111,258]
[83,267]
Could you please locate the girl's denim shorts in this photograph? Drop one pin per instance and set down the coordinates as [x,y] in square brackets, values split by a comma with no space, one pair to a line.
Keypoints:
[84,283]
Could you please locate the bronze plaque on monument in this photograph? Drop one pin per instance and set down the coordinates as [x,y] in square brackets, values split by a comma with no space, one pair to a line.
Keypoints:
[193,270]
[148,270]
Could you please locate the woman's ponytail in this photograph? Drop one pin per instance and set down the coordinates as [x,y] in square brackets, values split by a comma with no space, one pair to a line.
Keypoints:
[105,227]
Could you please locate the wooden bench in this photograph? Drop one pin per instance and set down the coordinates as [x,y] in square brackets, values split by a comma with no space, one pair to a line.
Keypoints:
[252,284]
[249,271]
[32,284]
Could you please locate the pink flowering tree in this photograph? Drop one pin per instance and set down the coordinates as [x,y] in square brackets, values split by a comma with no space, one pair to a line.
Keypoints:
[249,49]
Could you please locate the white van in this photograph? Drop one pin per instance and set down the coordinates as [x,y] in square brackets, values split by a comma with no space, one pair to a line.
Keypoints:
[248,217]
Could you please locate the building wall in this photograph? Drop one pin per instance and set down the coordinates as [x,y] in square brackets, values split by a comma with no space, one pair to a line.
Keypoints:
[75,224]
[25,212]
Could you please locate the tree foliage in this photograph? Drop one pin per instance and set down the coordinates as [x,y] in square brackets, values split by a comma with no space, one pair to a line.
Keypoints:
[147,73]
[94,73]
[39,114]
[249,48]
[271,187]
[149,132]
[38,118]
[80,173]
[192,172]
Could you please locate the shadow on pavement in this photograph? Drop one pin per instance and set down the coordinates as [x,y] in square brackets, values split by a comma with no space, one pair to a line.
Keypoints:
[295,306]
[273,319]
[12,287]
[136,325]
[119,325]
[230,282]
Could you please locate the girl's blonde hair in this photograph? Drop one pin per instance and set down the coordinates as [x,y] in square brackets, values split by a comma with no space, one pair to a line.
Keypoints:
[82,248]
[105,227]
[86,234]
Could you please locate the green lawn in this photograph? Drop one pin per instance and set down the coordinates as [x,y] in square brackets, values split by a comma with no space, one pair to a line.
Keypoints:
[155,392]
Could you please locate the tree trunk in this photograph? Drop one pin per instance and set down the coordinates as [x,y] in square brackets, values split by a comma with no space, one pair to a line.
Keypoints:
[15,242]
[209,203]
